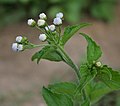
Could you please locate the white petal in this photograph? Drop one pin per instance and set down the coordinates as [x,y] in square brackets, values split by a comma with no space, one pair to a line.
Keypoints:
[41,22]
[19,39]
[14,47]
[59,15]
[20,47]
[42,37]
[57,21]
[52,27]
[42,16]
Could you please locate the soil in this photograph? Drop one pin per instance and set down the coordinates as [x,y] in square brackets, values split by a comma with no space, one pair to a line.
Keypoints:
[21,79]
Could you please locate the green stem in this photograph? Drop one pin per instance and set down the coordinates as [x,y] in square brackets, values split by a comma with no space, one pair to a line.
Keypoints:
[31,46]
[69,61]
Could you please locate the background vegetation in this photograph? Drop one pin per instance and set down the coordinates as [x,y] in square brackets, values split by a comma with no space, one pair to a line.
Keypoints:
[15,10]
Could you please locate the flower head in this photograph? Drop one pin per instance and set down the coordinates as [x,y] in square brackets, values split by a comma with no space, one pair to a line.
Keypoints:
[42,37]
[14,47]
[98,64]
[52,27]
[20,47]
[17,47]
[31,22]
[19,39]
[41,23]
[43,16]
[59,15]
[57,21]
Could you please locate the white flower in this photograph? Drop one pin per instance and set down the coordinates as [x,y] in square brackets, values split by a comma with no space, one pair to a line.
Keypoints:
[14,47]
[52,27]
[20,47]
[19,39]
[59,15]
[42,37]
[41,22]
[31,22]
[43,16]
[57,21]
[98,64]
[17,47]
[47,28]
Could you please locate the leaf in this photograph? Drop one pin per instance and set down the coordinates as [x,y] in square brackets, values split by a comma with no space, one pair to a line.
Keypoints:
[114,82]
[84,70]
[85,80]
[93,50]
[98,91]
[48,53]
[56,99]
[86,103]
[40,54]
[53,55]
[106,71]
[70,31]
[63,88]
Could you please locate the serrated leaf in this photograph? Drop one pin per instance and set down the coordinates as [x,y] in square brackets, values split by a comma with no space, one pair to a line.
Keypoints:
[48,53]
[114,82]
[70,31]
[93,50]
[56,99]
[63,88]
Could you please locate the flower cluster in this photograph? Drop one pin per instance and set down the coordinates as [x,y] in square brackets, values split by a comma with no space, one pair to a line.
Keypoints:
[50,33]
[19,44]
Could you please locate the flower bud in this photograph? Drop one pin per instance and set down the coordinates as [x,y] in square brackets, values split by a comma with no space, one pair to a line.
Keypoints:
[52,27]
[98,64]
[31,22]
[17,47]
[20,47]
[59,15]
[47,28]
[43,16]
[14,47]
[42,37]
[41,23]
[57,21]
[19,39]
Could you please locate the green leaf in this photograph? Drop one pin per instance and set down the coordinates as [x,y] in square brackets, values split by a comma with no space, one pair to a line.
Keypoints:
[114,82]
[48,53]
[70,31]
[56,99]
[53,55]
[98,91]
[106,71]
[88,77]
[40,54]
[93,50]
[84,70]
[63,88]
[86,103]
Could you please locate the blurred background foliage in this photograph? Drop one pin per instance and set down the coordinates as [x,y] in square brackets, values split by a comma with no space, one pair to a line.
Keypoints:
[16,10]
